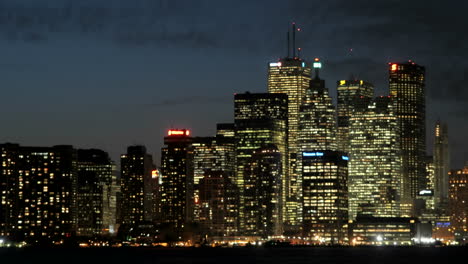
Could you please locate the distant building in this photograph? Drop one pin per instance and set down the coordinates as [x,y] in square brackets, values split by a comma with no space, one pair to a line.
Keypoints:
[260,119]
[37,187]
[177,181]
[96,193]
[458,203]
[441,166]
[350,94]
[219,205]
[406,81]
[325,196]
[375,175]
[135,185]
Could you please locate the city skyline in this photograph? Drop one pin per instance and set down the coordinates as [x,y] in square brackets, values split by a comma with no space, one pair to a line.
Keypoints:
[69,73]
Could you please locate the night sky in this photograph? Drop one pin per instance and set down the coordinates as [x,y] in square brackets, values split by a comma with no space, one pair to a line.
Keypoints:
[108,74]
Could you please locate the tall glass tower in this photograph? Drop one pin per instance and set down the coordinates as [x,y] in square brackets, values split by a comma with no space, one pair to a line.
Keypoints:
[375,160]
[406,81]
[260,119]
[441,165]
[350,93]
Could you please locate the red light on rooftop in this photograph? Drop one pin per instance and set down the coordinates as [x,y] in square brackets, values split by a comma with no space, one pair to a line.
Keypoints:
[394,67]
[178,132]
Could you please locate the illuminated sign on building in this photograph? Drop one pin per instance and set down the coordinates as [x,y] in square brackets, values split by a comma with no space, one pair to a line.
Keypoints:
[276,64]
[394,67]
[312,154]
[425,192]
[345,157]
[178,132]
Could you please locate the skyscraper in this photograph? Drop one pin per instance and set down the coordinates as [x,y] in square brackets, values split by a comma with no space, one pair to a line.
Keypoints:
[260,119]
[135,187]
[375,160]
[441,165]
[325,196]
[317,124]
[291,75]
[219,205]
[177,181]
[349,94]
[264,199]
[211,154]
[96,193]
[406,81]
[458,203]
[38,186]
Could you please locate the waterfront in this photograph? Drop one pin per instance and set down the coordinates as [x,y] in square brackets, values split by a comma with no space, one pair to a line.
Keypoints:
[320,255]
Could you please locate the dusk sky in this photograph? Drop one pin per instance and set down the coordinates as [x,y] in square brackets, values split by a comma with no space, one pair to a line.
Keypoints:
[111,73]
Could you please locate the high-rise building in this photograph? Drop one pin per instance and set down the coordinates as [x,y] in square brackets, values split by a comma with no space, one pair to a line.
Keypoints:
[325,196]
[219,205]
[350,93]
[291,75]
[375,160]
[317,124]
[441,165]
[37,188]
[211,154]
[263,199]
[135,187]
[458,203]
[177,181]
[226,130]
[260,119]
[96,193]
[406,81]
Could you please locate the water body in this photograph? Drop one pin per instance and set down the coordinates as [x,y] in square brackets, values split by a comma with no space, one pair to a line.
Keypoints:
[319,255]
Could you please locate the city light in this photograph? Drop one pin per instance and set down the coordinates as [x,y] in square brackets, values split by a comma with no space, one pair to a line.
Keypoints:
[312,154]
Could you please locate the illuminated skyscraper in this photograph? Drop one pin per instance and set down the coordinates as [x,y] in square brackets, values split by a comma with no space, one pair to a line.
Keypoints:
[291,75]
[317,124]
[177,180]
[135,186]
[349,94]
[37,188]
[406,82]
[226,130]
[212,154]
[458,203]
[325,196]
[96,193]
[260,119]
[219,200]
[263,200]
[375,160]
[441,165]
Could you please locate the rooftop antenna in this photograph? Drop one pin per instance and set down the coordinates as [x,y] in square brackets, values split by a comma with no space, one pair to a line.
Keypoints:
[294,39]
[299,52]
[287,38]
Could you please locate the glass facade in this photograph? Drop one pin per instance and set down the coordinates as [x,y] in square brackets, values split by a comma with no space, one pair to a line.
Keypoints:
[407,85]
[441,165]
[375,177]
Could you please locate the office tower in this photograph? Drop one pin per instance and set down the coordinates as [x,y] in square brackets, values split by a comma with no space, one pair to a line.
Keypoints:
[350,93]
[406,82]
[135,186]
[211,154]
[325,196]
[96,193]
[291,75]
[375,160]
[156,182]
[317,124]
[177,181]
[263,199]
[458,203]
[260,119]
[219,205]
[37,191]
[441,165]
